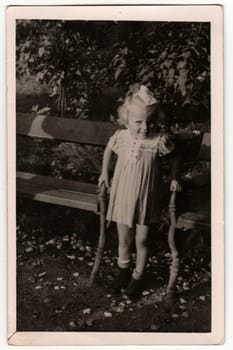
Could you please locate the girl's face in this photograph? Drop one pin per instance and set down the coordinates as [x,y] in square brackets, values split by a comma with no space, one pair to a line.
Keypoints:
[140,125]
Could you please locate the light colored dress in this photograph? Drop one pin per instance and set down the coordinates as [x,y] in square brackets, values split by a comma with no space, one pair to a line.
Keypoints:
[134,194]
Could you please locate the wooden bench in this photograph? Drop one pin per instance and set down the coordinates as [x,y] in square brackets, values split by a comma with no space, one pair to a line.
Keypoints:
[53,190]
[197,214]
[49,189]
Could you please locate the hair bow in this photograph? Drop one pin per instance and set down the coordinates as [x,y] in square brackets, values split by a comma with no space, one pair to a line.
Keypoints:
[145,95]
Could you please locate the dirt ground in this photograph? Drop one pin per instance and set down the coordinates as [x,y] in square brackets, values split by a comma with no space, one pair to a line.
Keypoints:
[55,255]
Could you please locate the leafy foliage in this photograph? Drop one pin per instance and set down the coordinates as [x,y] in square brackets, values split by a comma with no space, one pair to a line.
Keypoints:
[89,65]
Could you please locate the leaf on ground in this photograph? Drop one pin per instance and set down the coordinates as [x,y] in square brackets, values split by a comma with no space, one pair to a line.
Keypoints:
[182,307]
[155,327]
[124,296]
[109,277]
[58,311]
[86,311]
[51,241]
[89,323]
[31,279]
[118,309]
[145,292]
[38,287]
[72,324]
[28,249]
[76,274]
[159,278]
[88,248]
[186,285]
[71,257]
[42,274]
[107,314]
[36,263]
[183,301]
[48,300]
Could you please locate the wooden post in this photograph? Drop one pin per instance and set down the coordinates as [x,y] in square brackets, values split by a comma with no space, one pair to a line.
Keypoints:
[174,268]
[102,237]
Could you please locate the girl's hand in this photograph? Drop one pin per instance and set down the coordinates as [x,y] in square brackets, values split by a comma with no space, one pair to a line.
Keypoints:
[175,186]
[103,179]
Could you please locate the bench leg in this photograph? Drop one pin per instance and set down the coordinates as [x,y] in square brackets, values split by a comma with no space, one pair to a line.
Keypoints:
[96,267]
[102,236]
[174,268]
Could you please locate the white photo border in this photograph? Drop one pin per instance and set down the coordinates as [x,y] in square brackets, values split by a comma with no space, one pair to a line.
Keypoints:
[175,13]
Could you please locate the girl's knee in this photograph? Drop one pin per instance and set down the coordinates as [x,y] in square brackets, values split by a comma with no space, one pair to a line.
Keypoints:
[142,235]
[125,241]
[124,235]
[141,242]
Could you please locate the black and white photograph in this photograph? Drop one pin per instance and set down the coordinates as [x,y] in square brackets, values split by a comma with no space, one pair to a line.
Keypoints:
[115,195]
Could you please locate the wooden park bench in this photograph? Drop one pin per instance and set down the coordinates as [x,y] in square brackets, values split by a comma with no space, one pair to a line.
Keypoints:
[75,194]
[50,189]
[196,217]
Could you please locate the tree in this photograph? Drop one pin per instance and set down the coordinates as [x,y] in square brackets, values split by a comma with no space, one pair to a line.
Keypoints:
[80,59]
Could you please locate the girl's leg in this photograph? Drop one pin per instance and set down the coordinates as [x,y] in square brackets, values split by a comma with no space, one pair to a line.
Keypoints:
[134,287]
[124,245]
[142,232]
[125,238]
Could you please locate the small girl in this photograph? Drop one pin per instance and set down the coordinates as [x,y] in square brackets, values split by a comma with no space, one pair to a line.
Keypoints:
[134,193]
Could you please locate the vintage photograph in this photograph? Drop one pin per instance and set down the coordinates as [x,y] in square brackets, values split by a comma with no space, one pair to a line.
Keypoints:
[114,176]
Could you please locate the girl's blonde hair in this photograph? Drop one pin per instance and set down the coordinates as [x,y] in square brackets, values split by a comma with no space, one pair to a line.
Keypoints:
[142,98]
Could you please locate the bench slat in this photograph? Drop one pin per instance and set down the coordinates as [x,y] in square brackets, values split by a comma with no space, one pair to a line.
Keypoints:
[59,197]
[64,195]
[53,182]
[65,129]
[194,220]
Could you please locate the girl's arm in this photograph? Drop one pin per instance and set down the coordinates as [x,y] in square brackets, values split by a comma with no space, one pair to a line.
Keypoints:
[104,176]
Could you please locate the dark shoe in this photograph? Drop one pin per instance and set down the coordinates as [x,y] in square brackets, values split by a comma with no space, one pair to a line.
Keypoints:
[134,288]
[122,280]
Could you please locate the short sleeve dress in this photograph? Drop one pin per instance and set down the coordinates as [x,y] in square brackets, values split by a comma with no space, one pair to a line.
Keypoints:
[134,194]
